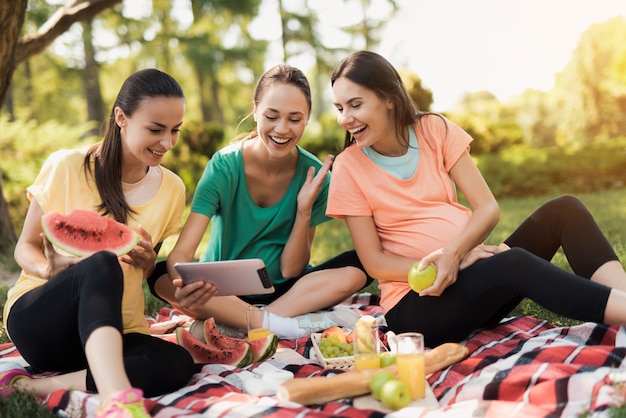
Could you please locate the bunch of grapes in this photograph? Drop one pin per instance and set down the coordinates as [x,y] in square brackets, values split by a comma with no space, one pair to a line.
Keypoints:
[332,347]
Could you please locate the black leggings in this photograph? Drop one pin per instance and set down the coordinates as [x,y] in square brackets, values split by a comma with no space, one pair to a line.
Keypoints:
[489,289]
[51,324]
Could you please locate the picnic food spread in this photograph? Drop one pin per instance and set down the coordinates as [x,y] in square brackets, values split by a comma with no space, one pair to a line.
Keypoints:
[320,389]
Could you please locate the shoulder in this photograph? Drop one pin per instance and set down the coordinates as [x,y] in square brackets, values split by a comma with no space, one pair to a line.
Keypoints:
[171,178]
[231,154]
[437,130]
[64,161]
[348,154]
[68,156]
[307,158]
[436,122]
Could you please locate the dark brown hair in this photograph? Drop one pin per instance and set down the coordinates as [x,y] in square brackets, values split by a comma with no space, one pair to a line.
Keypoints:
[103,161]
[374,72]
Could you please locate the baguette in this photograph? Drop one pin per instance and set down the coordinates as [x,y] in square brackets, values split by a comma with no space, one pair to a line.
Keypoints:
[322,389]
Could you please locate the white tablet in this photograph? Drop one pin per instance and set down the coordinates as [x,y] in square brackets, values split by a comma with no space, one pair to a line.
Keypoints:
[232,277]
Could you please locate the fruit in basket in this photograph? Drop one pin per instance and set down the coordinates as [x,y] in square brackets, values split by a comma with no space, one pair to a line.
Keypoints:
[332,347]
[421,279]
[395,394]
[377,381]
[334,330]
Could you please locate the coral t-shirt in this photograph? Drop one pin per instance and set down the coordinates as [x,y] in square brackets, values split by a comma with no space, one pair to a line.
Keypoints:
[413,217]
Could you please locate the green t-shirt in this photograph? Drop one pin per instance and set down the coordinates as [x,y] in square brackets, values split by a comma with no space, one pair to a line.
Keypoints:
[241,229]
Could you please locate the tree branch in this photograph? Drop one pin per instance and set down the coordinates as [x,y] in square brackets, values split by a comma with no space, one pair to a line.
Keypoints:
[72,12]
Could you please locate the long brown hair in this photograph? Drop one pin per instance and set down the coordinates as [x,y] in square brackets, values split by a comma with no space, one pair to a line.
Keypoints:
[374,72]
[103,161]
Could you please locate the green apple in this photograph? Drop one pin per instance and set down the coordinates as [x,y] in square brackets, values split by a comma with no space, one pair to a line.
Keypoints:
[387,359]
[377,381]
[421,279]
[395,394]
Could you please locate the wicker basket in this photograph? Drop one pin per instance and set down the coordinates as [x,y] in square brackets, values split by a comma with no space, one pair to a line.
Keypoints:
[342,363]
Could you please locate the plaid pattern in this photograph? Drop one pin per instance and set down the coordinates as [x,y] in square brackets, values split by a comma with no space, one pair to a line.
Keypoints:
[524,367]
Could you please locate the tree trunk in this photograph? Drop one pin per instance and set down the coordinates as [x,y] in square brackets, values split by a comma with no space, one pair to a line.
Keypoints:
[12,13]
[7,232]
[91,80]
[11,20]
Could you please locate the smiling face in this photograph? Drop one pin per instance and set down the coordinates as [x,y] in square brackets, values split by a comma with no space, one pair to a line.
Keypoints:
[151,131]
[368,117]
[281,115]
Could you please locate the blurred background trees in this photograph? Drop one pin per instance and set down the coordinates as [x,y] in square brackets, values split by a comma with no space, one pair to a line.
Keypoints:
[571,137]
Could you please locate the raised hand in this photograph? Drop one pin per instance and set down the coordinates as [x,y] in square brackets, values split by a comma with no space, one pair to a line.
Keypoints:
[312,185]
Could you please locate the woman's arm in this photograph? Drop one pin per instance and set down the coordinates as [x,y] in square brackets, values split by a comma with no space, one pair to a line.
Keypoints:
[34,253]
[367,244]
[297,251]
[191,298]
[485,216]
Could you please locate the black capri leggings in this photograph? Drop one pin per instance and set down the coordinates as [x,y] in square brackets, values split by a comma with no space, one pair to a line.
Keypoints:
[50,325]
[489,289]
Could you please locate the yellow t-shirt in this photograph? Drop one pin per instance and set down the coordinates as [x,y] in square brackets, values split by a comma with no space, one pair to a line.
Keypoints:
[413,217]
[61,186]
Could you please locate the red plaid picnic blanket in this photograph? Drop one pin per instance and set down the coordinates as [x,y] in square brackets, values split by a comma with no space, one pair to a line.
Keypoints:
[524,367]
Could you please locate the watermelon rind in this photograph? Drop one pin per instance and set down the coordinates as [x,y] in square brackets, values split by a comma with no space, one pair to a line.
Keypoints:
[202,353]
[84,232]
[264,348]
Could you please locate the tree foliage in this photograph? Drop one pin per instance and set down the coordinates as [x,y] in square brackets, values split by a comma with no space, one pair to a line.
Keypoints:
[591,90]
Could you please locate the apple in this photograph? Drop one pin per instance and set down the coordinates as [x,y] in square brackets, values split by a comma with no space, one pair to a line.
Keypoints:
[377,381]
[334,330]
[387,359]
[421,279]
[395,394]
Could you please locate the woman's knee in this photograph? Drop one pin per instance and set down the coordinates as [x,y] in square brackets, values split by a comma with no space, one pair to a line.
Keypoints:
[566,204]
[104,266]
[354,279]
[515,258]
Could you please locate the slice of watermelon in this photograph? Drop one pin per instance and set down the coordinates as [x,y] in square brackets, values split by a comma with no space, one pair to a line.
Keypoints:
[84,232]
[238,356]
[264,348]
[216,339]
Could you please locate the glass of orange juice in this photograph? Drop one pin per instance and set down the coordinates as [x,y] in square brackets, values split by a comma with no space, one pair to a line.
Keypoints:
[258,317]
[366,347]
[410,361]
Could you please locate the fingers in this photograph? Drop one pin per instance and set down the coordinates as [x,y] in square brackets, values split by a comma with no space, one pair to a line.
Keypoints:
[194,295]
[144,234]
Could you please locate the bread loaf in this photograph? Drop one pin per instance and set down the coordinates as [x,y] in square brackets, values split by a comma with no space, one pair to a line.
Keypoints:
[321,389]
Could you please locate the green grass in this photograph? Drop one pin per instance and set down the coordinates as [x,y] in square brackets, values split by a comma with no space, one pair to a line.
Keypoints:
[608,207]
[23,405]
